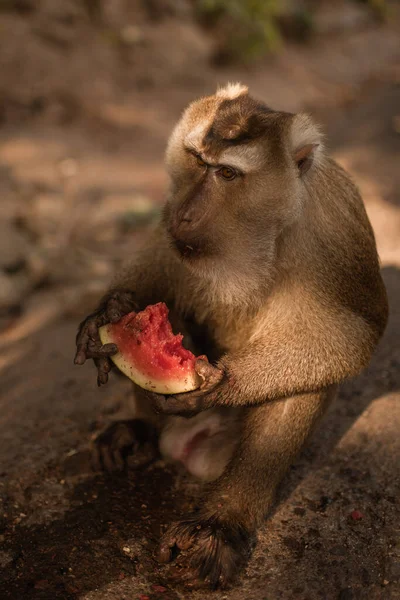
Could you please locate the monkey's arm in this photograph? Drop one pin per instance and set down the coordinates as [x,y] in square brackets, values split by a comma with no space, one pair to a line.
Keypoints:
[149,278]
[302,361]
[299,347]
[295,348]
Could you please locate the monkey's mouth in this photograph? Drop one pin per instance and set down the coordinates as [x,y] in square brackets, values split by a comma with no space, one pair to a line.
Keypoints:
[188,250]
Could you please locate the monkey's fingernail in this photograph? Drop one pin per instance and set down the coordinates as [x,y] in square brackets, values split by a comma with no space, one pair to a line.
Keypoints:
[102,378]
[80,358]
[107,366]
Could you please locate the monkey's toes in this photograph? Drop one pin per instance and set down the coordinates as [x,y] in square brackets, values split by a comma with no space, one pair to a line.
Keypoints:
[216,551]
[177,537]
[113,447]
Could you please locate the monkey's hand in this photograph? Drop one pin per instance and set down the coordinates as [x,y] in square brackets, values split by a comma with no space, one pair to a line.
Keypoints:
[191,403]
[114,306]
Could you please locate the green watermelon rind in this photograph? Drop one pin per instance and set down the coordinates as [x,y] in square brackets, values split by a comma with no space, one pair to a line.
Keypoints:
[188,383]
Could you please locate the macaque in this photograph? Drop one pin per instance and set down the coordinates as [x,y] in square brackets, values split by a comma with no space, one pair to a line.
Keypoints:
[267,261]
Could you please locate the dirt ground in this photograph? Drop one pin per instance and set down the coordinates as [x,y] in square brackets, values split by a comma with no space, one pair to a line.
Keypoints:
[81,184]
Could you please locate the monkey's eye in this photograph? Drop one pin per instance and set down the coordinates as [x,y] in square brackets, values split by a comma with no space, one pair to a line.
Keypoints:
[200,161]
[227,173]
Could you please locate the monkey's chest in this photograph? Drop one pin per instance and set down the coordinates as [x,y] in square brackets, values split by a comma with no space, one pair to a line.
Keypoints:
[214,338]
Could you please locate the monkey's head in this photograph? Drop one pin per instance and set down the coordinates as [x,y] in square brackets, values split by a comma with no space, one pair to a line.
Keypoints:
[239,174]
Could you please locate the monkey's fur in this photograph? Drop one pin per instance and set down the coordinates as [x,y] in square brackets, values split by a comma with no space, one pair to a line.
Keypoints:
[267,261]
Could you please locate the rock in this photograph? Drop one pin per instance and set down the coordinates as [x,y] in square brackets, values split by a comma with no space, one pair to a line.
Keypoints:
[14,248]
[12,289]
[5,558]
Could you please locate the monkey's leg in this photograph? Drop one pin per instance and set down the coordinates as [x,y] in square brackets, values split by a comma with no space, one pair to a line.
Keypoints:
[221,536]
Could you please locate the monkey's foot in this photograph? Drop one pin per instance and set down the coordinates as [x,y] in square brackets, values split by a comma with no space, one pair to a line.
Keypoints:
[122,439]
[217,551]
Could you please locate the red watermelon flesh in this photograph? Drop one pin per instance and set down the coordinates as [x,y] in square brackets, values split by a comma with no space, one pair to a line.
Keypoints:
[149,353]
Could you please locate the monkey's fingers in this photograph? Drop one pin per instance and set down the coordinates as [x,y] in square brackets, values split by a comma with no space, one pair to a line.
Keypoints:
[173,405]
[166,405]
[153,398]
[101,351]
[103,365]
[195,401]
[169,405]
[210,375]
[114,310]
[119,304]
[87,334]
[80,356]
[82,341]
[93,327]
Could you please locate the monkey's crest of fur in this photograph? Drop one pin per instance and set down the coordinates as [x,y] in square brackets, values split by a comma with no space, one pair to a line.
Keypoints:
[232,90]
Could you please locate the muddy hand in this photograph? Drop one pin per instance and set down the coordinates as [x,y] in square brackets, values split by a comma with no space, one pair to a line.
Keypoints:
[114,306]
[191,403]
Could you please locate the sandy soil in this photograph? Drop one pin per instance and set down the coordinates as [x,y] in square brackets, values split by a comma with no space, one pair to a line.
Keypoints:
[67,532]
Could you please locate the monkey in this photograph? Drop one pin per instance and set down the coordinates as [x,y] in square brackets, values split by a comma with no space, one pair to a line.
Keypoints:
[266,258]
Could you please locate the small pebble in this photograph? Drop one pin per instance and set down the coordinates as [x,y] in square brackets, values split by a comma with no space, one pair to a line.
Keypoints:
[159,588]
[356,515]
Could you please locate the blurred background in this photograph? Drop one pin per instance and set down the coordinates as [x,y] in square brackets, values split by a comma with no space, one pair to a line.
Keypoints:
[89,92]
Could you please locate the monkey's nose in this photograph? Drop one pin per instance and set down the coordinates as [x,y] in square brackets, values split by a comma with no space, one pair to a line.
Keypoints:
[180,227]
[183,224]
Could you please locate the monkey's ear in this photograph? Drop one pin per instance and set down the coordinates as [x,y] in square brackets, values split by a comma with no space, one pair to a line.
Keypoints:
[304,157]
[306,142]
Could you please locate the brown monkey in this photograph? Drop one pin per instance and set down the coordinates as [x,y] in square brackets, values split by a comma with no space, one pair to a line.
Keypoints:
[266,258]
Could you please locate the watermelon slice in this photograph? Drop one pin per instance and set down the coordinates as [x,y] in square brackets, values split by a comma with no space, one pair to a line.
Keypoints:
[150,354]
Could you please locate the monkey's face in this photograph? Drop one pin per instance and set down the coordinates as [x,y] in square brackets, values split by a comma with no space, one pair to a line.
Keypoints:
[235,184]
